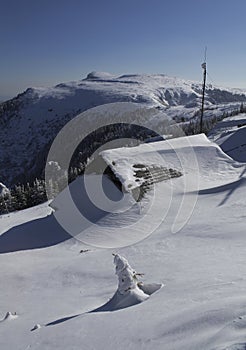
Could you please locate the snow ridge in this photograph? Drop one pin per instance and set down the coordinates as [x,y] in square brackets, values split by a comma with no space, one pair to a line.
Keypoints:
[39,113]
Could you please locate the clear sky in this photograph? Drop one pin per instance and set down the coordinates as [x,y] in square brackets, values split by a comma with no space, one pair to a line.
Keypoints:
[44,42]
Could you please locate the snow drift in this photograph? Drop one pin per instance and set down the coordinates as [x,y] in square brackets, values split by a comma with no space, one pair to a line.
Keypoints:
[130,291]
[202,266]
[230,135]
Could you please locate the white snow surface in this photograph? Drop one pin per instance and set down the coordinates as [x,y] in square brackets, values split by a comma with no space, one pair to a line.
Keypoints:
[230,134]
[202,305]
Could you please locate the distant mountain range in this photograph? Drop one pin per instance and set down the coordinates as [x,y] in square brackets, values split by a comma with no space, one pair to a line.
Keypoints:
[30,121]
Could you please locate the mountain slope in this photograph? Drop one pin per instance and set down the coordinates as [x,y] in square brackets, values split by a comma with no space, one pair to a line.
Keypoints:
[30,121]
[60,287]
[230,135]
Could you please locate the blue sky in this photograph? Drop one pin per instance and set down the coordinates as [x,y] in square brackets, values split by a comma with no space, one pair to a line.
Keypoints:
[49,41]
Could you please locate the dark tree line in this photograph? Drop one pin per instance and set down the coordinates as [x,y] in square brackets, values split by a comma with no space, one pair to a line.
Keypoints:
[33,193]
[29,194]
[23,196]
[193,126]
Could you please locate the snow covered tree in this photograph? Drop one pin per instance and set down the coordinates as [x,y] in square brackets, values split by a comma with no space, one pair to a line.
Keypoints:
[128,278]
[5,199]
[22,196]
[129,291]
[4,191]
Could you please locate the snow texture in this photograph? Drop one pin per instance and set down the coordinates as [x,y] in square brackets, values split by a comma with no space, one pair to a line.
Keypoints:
[230,134]
[47,282]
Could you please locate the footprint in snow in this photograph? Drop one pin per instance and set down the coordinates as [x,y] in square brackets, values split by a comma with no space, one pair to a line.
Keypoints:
[9,316]
[37,326]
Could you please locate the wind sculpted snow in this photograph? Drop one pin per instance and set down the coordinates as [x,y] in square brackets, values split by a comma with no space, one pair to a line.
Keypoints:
[202,265]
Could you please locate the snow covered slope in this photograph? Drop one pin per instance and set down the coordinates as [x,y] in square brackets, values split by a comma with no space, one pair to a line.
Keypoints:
[30,121]
[230,134]
[59,288]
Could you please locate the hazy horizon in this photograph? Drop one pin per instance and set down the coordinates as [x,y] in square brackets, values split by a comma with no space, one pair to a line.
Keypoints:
[51,42]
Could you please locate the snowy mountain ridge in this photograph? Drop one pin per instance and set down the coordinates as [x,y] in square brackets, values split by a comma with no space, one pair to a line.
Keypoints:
[35,117]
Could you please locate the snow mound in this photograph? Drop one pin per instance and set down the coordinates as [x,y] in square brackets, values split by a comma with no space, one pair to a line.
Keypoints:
[37,326]
[184,155]
[95,211]
[230,135]
[118,301]
[10,316]
[130,291]
[235,145]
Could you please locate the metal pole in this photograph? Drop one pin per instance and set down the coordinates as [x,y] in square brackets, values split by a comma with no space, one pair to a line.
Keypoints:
[203,94]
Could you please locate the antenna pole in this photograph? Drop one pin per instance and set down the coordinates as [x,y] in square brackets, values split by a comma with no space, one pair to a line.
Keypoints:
[204,67]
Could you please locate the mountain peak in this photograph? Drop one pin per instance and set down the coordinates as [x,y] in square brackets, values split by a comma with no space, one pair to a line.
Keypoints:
[94,75]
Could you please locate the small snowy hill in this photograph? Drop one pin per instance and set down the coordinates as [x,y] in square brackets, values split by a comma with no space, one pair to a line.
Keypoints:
[94,210]
[30,121]
[230,134]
